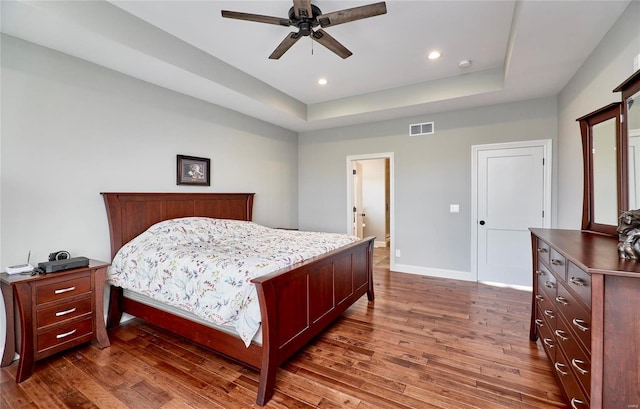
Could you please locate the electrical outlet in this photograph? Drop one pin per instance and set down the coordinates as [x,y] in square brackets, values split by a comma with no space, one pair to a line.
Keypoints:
[397,253]
[454,208]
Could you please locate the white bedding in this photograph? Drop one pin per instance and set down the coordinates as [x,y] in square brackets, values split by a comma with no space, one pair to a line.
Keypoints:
[205,265]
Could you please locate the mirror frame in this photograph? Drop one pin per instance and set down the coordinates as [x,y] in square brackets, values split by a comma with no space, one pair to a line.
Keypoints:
[611,111]
[628,88]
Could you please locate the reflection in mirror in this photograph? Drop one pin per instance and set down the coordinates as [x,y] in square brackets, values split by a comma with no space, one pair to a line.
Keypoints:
[633,132]
[605,186]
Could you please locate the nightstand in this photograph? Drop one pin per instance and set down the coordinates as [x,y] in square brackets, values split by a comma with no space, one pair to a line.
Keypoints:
[57,311]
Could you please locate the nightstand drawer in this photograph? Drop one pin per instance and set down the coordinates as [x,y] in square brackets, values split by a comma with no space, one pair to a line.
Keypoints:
[78,332]
[63,289]
[65,311]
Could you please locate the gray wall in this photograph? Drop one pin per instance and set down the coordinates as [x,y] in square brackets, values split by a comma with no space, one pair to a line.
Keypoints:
[71,129]
[431,172]
[590,89]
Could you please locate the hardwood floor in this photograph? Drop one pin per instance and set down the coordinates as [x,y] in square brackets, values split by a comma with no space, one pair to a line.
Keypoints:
[424,343]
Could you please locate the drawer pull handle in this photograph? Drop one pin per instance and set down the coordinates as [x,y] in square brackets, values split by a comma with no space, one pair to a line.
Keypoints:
[580,324]
[576,363]
[539,297]
[576,401]
[69,311]
[560,371]
[577,281]
[542,250]
[540,272]
[561,334]
[539,323]
[548,284]
[562,300]
[66,334]
[556,262]
[64,290]
[549,313]
[548,342]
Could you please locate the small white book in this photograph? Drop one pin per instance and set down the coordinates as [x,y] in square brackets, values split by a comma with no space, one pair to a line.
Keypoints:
[21,268]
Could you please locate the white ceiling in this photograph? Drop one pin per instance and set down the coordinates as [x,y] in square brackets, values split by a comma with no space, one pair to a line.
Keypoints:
[519,50]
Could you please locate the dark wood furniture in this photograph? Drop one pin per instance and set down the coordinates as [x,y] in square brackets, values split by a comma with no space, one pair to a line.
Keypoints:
[296,303]
[593,205]
[57,311]
[586,311]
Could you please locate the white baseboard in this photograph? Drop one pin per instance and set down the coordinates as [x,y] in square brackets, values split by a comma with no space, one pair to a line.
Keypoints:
[378,243]
[434,272]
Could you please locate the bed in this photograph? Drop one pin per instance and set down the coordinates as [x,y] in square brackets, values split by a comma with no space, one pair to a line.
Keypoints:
[296,302]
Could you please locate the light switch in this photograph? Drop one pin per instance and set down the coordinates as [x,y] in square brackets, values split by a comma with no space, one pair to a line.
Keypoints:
[454,208]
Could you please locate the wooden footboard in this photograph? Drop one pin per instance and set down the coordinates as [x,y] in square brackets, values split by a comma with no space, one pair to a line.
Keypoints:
[299,302]
[296,302]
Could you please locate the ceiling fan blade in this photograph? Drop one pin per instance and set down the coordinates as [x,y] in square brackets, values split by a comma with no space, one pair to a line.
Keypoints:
[331,43]
[302,8]
[288,41]
[352,14]
[256,17]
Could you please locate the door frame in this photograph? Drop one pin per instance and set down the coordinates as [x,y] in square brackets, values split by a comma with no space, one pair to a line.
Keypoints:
[356,158]
[546,144]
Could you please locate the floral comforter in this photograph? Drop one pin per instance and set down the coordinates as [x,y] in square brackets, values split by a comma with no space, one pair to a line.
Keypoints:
[205,265]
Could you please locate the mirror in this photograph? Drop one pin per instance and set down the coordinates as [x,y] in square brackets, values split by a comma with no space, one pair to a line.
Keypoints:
[605,181]
[631,133]
[604,197]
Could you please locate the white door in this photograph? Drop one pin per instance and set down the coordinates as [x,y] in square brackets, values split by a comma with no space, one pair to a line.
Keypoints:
[510,199]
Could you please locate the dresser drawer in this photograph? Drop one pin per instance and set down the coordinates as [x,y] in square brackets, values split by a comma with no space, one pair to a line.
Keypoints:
[547,282]
[579,320]
[545,330]
[577,358]
[544,302]
[542,249]
[67,334]
[580,282]
[64,311]
[63,289]
[575,395]
[558,263]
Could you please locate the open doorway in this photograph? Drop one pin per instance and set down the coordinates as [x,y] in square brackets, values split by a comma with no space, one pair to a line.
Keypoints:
[370,207]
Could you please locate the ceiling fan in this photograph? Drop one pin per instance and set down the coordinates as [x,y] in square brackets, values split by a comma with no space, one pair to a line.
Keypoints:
[306,16]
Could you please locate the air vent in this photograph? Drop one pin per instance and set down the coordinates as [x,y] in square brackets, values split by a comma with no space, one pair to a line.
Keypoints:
[425,128]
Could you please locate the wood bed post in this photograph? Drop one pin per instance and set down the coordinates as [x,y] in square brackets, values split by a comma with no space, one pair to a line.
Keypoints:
[270,362]
[370,294]
[115,308]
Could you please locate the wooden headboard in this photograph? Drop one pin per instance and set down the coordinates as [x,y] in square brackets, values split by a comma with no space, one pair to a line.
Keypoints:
[130,214]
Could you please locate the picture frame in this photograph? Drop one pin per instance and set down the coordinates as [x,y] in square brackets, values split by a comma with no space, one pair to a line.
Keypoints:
[192,170]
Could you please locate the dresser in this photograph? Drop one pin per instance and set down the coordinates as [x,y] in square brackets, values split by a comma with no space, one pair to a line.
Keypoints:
[56,311]
[586,314]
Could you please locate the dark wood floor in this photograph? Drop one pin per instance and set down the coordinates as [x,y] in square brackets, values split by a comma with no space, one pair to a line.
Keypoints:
[423,343]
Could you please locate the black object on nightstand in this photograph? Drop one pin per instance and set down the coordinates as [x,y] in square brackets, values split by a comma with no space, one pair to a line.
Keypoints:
[57,311]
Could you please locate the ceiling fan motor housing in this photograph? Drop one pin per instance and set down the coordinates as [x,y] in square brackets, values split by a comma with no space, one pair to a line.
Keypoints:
[305,23]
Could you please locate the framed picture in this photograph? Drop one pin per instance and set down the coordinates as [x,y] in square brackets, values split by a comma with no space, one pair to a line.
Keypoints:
[194,171]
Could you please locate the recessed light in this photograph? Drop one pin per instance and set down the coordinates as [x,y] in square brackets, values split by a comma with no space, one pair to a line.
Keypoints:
[322,81]
[434,55]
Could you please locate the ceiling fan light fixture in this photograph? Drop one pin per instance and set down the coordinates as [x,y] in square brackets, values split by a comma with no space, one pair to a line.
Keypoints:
[434,55]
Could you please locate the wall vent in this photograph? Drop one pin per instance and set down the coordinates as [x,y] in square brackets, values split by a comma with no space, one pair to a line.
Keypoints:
[425,128]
